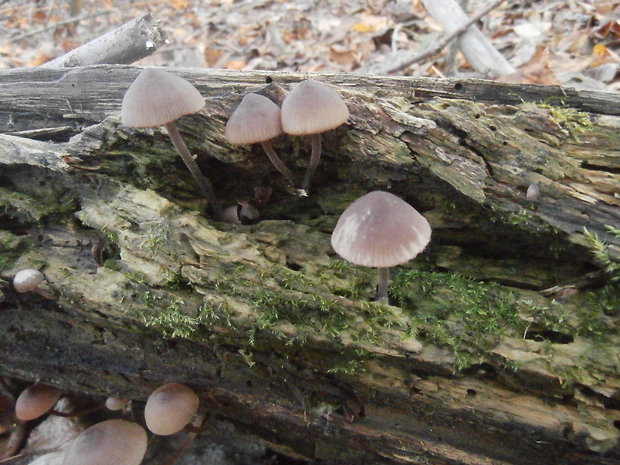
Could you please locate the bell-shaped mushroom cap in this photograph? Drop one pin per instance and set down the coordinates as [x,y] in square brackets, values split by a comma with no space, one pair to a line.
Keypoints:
[111,442]
[256,119]
[169,408]
[380,230]
[35,401]
[158,97]
[26,280]
[312,107]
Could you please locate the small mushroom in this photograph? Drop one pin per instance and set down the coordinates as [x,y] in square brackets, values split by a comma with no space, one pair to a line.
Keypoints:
[157,98]
[111,442]
[27,280]
[257,119]
[169,408]
[380,230]
[116,403]
[533,192]
[241,213]
[36,401]
[312,108]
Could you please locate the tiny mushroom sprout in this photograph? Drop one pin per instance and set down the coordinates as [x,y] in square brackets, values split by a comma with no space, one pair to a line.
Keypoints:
[28,280]
[312,108]
[157,98]
[257,119]
[116,403]
[380,230]
[35,401]
[169,408]
[111,442]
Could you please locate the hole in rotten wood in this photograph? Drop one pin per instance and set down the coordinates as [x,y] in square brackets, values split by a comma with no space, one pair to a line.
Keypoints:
[568,431]
[593,167]
[268,79]
[493,128]
[458,86]
[293,266]
[617,424]
[471,393]
[550,335]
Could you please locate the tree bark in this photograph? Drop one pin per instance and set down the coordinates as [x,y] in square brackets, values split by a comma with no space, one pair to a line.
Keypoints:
[471,364]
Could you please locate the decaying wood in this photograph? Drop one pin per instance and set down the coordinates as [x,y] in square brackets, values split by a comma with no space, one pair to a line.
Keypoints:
[276,332]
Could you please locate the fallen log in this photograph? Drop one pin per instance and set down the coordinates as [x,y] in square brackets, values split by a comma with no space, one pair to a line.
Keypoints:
[471,364]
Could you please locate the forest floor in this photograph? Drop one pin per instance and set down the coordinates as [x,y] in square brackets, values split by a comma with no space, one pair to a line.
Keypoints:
[567,42]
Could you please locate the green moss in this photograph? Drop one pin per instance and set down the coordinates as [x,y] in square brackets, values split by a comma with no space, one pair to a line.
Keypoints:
[573,121]
[455,312]
[28,208]
[11,247]
[170,321]
[600,250]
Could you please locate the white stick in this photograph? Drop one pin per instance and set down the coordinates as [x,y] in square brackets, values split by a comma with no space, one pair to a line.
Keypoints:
[477,49]
[130,42]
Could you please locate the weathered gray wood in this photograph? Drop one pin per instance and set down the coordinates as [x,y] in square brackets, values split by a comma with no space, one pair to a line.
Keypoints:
[475,46]
[276,332]
[127,44]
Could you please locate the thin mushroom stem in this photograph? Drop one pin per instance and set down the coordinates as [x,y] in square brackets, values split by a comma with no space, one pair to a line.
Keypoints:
[277,162]
[315,157]
[206,188]
[382,286]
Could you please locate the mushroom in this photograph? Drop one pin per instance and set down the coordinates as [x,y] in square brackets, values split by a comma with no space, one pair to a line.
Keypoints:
[312,108]
[116,403]
[157,98]
[257,119]
[27,280]
[380,230]
[241,213]
[533,192]
[169,408]
[35,401]
[111,442]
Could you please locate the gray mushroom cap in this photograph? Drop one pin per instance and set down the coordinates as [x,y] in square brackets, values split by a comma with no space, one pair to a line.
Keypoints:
[380,230]
[256,119]
[157,98]
[311,108]
[26,280]
[111,442]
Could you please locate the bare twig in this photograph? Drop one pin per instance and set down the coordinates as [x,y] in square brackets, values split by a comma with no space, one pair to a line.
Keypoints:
[128,43]
[408,61]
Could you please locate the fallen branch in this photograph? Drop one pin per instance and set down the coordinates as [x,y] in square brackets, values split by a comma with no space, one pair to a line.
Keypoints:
[411,59]
[130,42]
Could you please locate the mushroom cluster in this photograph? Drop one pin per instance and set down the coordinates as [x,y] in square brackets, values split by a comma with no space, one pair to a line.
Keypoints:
[157,98]
[168,410]
[311,108]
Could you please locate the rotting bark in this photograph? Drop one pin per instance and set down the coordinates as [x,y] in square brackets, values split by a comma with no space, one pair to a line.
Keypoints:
[269,325]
